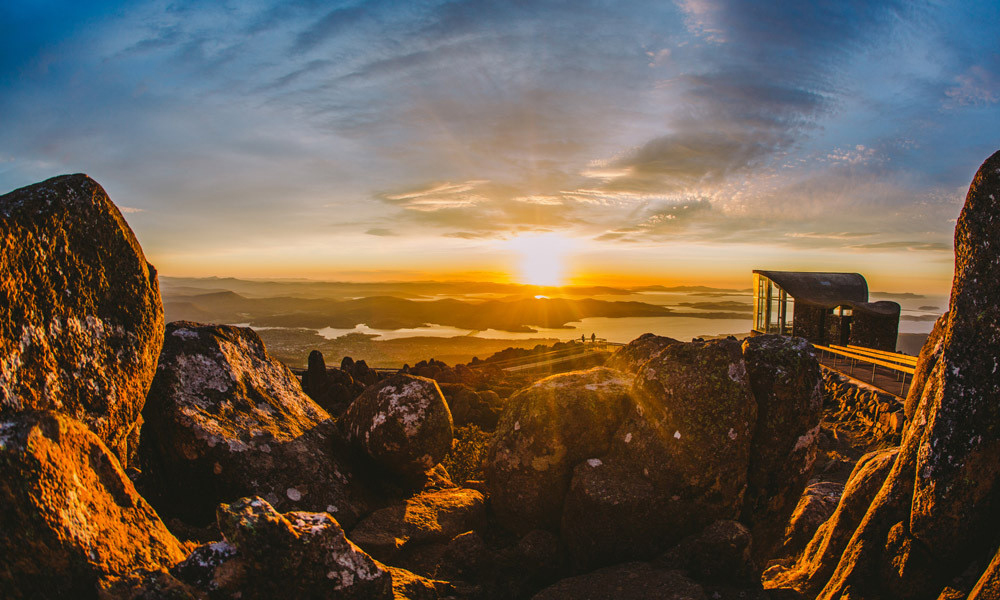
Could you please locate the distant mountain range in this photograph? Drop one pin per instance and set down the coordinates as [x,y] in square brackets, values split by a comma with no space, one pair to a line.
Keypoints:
[475,306]
[519,314]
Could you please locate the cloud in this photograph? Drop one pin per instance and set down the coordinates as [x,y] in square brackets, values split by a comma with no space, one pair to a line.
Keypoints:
[903,245]
[381,232]
[977,86]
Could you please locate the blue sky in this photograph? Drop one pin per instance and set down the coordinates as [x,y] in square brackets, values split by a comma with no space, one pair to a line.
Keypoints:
[697,139]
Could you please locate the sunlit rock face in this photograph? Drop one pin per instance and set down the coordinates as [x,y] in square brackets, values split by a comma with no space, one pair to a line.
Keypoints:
[396,533]
[82,320]
[810,572]
[229,421]
[402,423]
[70,517]
[545,431]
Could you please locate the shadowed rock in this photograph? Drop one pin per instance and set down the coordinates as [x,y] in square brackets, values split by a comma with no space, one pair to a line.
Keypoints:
[630,581]
[679,457]
[83,322]
[545,431]
[788,388]
[69,517]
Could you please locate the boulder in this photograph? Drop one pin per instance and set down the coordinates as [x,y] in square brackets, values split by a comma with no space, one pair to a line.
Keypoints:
[402,423]
[429,517]
[677,462]
[788,389]
[230,421]
[291,555]
[629,581]
[814,508]
[637,352]
[83,322]
[544,432]
[70,516]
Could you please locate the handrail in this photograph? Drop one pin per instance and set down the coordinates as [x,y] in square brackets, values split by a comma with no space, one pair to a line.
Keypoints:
[896,356]
[869,359]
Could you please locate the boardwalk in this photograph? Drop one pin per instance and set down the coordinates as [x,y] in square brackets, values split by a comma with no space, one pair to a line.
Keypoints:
[888,380]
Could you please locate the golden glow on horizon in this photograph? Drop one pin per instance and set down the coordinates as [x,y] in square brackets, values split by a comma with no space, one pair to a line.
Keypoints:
[542,258]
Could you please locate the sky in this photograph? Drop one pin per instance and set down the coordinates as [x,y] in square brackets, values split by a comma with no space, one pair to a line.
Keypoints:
[654,142]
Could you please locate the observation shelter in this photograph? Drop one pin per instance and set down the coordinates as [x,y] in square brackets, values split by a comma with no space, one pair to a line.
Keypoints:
[825,308]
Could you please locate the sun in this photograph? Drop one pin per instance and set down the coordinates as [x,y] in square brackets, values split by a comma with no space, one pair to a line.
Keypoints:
[542,258]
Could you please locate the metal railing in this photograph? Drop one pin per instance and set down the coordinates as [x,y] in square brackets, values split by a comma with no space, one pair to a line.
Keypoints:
[902,364]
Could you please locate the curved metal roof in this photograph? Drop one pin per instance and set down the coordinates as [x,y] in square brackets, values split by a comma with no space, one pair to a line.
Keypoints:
[822,289]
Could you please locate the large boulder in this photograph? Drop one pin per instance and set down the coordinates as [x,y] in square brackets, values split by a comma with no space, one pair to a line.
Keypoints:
[636,353]
[70,517]
[267,554]
[680,457]
[544,432]
[939,509]
[402,423]
[231,421]
[788,388]
[83,322]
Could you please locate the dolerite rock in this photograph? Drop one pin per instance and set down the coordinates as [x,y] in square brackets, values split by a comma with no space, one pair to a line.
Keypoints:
[813,568]
[429,517]
[297,555]
[680,457]
[544,432]
[939,509]
[788,388]
[637,352]
[229,421]
[402,423]
[930,353]
[363,374]
[629,581]
[70,517]
[83,322]
[469,407]
[814,508]
[720,553]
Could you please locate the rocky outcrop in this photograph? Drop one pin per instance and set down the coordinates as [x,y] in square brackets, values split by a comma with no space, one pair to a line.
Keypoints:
[332,389]
[83,322]
[402,423]
[785,378]
[937,512]
[635,354]
[70,518]
[545,431]
[231,421]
